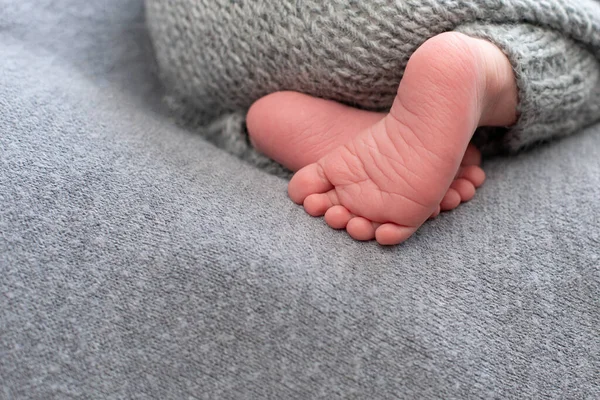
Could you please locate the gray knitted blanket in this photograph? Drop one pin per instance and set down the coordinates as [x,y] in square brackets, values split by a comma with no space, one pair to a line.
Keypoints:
[218,56]
[139,262]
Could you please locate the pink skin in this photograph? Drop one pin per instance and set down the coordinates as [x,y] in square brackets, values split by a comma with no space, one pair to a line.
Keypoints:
[313,127]
[382,176]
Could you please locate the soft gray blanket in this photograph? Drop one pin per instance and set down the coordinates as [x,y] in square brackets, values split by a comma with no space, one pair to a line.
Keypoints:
[138,261]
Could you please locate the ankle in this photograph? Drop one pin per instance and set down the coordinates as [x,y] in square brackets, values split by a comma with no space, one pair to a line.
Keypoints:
[477,62]
[500,97]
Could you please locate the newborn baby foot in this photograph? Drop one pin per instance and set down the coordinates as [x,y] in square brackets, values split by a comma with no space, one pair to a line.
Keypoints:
[386,181]
[295,130]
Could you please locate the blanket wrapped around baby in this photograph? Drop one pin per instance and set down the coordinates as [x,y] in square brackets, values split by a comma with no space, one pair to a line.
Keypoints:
[219,56]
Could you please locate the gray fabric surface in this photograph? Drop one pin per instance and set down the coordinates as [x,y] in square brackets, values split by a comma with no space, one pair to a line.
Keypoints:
[138,261]
[218,57]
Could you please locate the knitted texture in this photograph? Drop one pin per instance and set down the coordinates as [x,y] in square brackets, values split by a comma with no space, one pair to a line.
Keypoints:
[138,262]
[218,56]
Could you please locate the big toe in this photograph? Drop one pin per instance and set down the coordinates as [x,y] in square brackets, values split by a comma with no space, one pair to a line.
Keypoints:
[309,180]
[317,204]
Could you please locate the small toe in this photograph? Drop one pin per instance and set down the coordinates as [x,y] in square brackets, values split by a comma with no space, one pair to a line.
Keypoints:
[337,217]
[309,180]
[465,189]
[474,174]
[318,204]
[392,234]
[361,229]
[451,200]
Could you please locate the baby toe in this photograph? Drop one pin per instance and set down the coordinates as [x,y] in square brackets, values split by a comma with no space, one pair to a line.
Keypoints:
[451,200]
[360,228]
[318,204]
[474,174]
[392,234]
[337,217]
[465,189]
[309,180]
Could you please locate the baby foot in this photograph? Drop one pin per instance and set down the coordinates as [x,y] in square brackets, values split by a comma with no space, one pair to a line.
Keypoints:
[386,181]
[295,130]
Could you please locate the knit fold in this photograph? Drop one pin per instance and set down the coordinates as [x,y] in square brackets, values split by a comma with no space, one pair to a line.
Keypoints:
[558,82]
[219,56]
